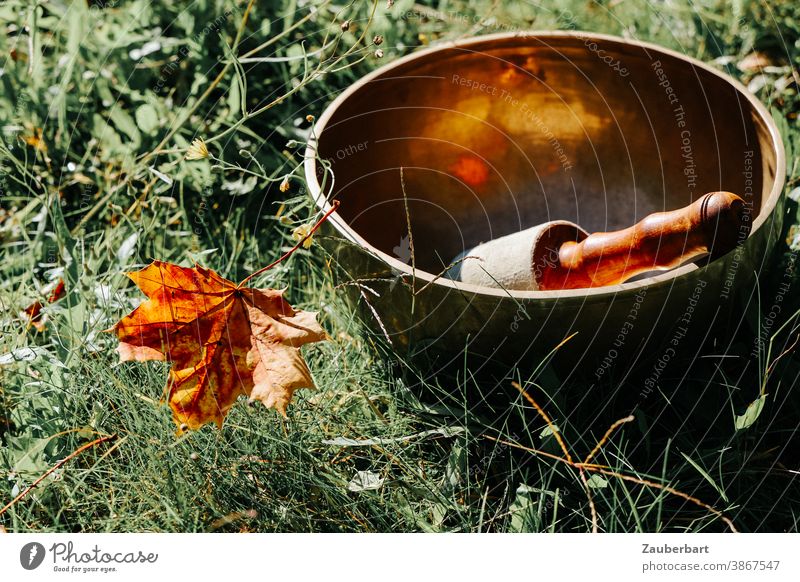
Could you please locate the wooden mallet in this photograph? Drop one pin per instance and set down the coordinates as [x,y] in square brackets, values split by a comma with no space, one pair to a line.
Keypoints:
[561,255]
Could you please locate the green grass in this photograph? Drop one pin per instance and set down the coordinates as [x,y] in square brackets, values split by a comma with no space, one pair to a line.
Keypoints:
[93,205]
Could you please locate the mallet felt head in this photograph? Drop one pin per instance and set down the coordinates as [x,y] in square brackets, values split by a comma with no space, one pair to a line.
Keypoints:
[515,261]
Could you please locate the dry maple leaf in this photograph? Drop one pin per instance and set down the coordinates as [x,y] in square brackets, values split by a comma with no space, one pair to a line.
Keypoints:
[34,310]
[222,339]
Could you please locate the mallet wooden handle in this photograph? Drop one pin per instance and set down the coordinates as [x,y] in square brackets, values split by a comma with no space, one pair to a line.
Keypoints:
[664,240]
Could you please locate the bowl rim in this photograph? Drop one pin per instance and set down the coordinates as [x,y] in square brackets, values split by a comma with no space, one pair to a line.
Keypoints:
[344,229]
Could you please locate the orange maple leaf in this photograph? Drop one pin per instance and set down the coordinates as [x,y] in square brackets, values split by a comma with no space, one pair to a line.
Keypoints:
[222,339]
[34,310]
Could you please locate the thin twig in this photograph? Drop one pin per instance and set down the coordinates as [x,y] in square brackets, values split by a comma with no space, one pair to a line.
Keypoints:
[563,445]
[668,489]
[606,436]
[605,471]
[538,452]
[592,508]
[543,414]
[775,361]
[375,314]
[410,235]
[69,457]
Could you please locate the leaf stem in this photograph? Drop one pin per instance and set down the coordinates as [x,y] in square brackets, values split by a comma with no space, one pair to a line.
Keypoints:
[290,252]
[72,455]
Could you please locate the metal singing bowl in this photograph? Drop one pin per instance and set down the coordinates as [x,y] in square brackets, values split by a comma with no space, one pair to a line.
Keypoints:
[499,133]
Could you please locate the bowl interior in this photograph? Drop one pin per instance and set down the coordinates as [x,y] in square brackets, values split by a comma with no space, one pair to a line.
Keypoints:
[500,134]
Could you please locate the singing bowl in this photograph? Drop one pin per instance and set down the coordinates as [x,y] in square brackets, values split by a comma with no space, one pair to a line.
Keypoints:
[498,133]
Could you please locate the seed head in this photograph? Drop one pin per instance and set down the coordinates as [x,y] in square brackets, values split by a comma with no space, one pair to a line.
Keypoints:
[198,150]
